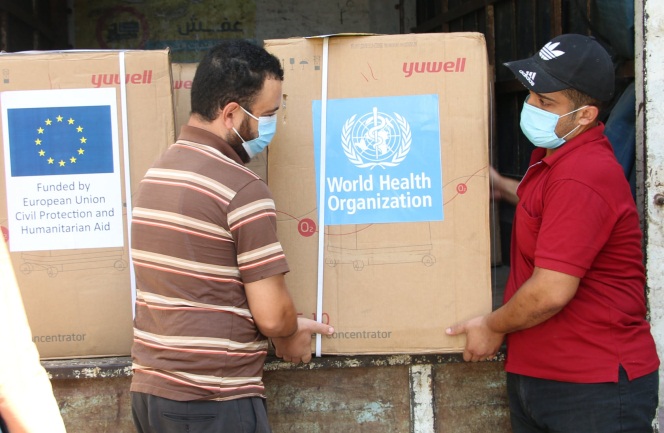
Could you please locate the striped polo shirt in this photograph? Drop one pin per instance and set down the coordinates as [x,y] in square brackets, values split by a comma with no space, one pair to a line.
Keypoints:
[202,225]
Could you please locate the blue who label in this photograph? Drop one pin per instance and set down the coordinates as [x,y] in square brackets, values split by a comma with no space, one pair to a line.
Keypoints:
[383,159]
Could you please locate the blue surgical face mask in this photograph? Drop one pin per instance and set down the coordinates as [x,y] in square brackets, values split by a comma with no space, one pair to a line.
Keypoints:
[267,127]
[539,126]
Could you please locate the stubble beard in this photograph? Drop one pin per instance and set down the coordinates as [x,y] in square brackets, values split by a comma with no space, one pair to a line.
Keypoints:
[236,142]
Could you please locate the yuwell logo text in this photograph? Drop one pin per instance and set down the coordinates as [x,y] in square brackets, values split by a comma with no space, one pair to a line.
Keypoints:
[459,65]
[182,84]
[99,80]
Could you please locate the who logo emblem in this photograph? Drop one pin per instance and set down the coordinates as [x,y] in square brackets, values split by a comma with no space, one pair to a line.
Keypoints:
[382,159]
[376,139]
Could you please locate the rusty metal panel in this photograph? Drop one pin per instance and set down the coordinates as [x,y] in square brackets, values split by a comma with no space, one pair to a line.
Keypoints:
[351,400]
[333,394]
[471,398]
[95,405]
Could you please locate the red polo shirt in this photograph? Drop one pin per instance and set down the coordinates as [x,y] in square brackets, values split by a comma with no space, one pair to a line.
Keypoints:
[576,215]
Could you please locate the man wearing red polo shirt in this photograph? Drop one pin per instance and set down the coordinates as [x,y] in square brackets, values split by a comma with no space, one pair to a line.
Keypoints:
[580,355]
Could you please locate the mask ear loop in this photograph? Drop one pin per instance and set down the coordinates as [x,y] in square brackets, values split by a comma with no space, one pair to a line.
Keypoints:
[238,134]
[577,126]
[566,135]
[236,131]
[574,111]
[251,115]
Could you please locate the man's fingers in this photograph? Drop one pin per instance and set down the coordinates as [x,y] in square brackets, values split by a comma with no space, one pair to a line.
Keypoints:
[470,357]
[320,328]
[474,357]
[455,330]
[297,347]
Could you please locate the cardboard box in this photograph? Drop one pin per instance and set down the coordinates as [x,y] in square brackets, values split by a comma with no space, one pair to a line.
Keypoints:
[406,247]
[183,75]
[76,143]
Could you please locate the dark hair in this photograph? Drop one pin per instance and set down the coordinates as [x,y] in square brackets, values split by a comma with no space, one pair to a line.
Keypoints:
[579,99]
[233,71]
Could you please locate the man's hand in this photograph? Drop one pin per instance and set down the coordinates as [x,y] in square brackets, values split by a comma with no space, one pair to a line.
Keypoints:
[297,347]
[481,342]
[503,188]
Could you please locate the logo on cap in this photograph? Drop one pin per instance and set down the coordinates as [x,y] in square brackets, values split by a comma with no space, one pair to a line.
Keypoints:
[529,76]
[549,52]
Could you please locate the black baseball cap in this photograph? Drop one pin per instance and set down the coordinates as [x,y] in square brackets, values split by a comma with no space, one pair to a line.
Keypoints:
[568,61]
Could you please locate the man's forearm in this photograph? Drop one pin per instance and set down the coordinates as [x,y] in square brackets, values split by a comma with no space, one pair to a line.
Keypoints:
[520,313]
[541,297]
[284,327]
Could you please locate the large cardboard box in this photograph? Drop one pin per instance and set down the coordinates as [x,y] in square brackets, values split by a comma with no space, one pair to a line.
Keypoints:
[79,131]
[405,252]
[183,76]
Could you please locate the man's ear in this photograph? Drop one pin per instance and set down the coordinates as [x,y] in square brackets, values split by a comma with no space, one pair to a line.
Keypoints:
[229,115]
[588,115]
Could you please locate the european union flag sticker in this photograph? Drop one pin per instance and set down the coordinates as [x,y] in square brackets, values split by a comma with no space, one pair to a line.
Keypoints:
[62,169]
[47,141]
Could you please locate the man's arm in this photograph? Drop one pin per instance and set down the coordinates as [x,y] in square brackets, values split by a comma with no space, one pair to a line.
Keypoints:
[541,297]
[272,307]
[273,310]
[503,188]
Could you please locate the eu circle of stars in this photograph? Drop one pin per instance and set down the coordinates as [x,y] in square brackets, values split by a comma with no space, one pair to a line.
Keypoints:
[66,123]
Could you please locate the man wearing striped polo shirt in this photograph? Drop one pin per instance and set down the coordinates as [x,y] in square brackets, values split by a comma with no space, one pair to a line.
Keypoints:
[209,267]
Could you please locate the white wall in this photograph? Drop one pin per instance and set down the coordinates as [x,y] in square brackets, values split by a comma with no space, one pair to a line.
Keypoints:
[649,26]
